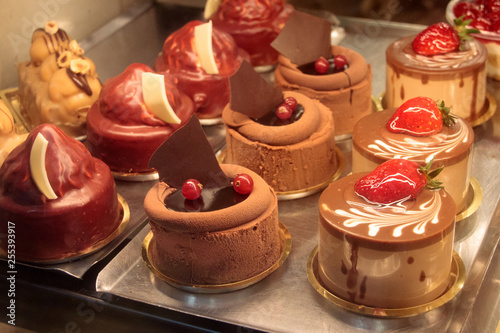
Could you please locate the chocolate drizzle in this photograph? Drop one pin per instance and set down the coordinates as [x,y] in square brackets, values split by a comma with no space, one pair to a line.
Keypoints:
[80,81]
[422,276]
[410,260]
[52,41]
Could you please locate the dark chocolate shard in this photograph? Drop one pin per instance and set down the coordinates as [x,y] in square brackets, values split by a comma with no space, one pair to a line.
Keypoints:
[188,154]
[251,94]
[304,38]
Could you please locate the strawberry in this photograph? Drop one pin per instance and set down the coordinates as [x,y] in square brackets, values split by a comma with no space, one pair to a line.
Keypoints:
[395,181]
[420,116]
[442,38]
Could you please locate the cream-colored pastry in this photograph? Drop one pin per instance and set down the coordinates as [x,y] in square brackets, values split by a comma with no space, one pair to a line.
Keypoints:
[58,85]
[9,139]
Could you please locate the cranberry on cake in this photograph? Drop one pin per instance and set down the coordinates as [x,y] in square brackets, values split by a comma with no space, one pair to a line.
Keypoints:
[441,62]
[419,130]
[135,113]
[201,59]
[58,84]
[285,137]
[211,224]
[337,76]
[385,238]
[253,24]
[61,200]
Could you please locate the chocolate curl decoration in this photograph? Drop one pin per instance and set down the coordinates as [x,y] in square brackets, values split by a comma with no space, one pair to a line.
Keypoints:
[304,38]
[251,94]
[188,154]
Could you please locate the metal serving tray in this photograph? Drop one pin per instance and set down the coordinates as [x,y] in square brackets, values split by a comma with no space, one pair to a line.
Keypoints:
[285,301]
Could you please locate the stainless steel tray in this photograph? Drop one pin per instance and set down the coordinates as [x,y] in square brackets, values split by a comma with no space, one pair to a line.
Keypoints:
[285,301]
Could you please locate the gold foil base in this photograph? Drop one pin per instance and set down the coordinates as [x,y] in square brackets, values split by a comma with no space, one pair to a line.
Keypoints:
[297,194]
[489,109]
[135,176]
[456,283]
[23,125]
[124,217]
[474,199]
[220,288]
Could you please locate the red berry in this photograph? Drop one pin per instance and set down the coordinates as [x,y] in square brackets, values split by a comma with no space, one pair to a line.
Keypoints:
[391,182]
[340,61]
[466,9]
[291,102]
[284,112]
[493,6]
[481,23]
[439,38]
[321,65]
[495,27]
[243,183]
[191,189]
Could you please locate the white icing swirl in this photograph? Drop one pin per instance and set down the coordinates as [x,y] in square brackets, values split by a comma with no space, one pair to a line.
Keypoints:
[448,60]
[409,147]
[397,217]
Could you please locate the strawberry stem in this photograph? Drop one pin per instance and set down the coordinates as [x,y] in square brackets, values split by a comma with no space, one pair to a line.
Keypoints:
[462,30]
[432,183]
[448,118]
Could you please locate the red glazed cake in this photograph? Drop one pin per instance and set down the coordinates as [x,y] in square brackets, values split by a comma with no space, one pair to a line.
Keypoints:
[457,76]
[253,24]
[451,148]
[210,92]
[385,255]
[346,91]
[291,155]
[58,85]
[220,237]
[122,131]
[9,139]
[82,210]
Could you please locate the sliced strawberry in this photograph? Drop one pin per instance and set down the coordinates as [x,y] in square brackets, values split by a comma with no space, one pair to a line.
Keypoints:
[420,116]
[481,23]
[466,9]
[395,181]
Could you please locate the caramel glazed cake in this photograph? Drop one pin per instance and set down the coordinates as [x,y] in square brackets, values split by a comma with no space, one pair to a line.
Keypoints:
[58,85]
[347,94]
[386,256]
[289,158]
[452,148]
[459,78]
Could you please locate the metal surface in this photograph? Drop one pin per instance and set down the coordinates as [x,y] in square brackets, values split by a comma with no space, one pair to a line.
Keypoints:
[285,301]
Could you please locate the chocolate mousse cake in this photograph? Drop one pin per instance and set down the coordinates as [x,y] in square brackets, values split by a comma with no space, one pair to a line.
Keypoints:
[9,138]
[345,89]
[211,224]
[457,76]
[61,200]
[181,58]
[122,131]
[385,255]
[451,148]
[291,154]
[253,24]
[58,84]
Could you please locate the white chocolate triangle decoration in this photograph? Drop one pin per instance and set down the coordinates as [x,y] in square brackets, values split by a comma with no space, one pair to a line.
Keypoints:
[155,97]
[211,7]
[203,45]
[37,167]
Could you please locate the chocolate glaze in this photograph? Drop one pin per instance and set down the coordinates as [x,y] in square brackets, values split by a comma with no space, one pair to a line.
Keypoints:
[80,80]
[373,127]
[340,195]
[271,119]
[212,199]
